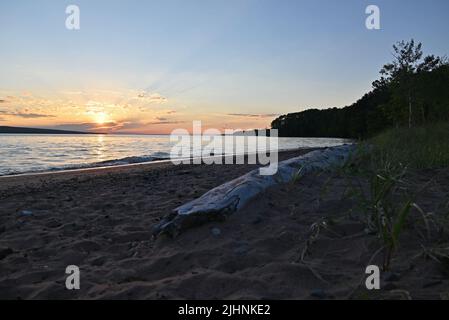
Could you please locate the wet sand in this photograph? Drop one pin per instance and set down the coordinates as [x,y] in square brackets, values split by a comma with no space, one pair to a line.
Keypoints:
[101,221]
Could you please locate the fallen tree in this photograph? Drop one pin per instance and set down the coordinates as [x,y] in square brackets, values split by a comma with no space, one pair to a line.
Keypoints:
[222,201]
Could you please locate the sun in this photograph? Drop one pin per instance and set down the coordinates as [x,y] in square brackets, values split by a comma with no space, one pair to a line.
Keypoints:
[101,117]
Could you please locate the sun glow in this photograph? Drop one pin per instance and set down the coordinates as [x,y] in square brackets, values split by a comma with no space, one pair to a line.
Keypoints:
[101,118]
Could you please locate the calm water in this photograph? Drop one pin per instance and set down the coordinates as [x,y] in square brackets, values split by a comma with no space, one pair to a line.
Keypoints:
[39,152]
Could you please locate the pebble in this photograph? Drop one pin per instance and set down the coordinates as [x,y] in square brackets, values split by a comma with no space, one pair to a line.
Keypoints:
[216,232]
[318,293]
[241,250]
[242,247]
[26,213]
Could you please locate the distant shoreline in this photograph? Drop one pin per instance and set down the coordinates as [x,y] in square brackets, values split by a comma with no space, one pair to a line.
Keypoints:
[23,130]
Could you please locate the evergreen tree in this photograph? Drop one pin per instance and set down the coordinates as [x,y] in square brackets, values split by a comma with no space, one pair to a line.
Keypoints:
[400,76]
[411,90]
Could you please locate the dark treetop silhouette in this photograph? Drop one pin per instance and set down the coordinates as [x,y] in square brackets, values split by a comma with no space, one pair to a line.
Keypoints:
[412,90]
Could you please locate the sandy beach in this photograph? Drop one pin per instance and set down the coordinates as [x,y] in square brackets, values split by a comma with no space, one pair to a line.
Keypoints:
[101,221]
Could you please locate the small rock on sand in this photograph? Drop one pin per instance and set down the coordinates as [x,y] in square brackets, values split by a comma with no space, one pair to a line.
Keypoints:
[215,232]
[318,293]
[242,248]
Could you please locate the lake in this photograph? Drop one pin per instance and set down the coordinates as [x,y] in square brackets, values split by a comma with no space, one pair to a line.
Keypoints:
[24,153]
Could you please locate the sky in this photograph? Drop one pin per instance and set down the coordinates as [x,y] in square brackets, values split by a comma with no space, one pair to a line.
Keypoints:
[152,66]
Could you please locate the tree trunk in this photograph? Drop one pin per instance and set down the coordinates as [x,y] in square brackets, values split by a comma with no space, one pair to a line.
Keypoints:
[409,110]
[423,114]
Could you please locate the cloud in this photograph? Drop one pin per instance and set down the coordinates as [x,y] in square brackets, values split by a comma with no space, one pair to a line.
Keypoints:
[74,126]
[163,122]
[251,115]
[107,127]
[111,126]
[131,125]
[72,93]
[90,126]
[93,107]
[26,115]
[151,98]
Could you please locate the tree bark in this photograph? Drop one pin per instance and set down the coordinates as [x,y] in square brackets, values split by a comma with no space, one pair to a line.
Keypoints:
[409,110]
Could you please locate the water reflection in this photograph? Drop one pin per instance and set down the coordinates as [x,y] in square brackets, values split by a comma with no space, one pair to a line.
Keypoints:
[34,152]
[100,149]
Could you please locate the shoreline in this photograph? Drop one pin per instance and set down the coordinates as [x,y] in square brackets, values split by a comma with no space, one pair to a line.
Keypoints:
[97,165]
[123,168]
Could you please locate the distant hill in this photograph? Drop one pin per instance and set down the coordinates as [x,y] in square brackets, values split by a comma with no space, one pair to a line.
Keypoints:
[4,129]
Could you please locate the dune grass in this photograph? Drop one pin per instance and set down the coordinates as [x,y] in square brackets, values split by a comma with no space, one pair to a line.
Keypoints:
[419,148]
[384,162]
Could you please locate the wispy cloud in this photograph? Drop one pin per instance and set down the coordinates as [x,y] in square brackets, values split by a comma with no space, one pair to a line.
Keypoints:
[253,115]
[89,126]
[151,98]
[26,115]
[163,122]
[72,93]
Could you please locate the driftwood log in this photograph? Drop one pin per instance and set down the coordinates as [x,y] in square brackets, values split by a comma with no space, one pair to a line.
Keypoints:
[231,196]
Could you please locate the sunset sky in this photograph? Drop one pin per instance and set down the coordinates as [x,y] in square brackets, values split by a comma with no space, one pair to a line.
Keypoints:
[152,66]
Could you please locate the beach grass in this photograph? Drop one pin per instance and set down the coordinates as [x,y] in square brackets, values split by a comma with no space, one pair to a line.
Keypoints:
[421,147]
[385,161]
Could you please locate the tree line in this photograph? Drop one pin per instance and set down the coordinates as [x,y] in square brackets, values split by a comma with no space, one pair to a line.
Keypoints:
[412,90]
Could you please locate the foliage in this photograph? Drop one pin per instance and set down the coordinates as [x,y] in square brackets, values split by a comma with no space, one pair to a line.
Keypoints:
[422,147]
[412,90]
